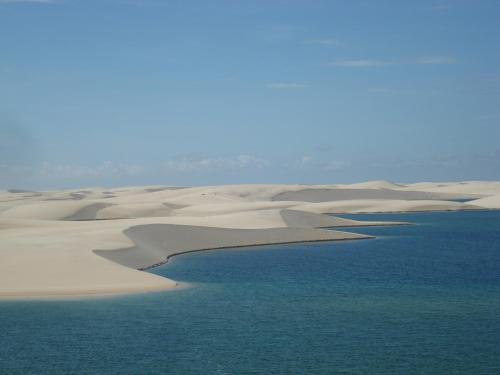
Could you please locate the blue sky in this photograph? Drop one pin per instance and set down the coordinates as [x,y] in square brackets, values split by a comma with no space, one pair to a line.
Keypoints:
[130,92]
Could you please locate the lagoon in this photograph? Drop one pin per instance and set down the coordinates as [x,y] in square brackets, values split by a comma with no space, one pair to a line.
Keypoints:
[423,298]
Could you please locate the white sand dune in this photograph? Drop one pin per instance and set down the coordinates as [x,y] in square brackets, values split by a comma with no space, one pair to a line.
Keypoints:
[151,247]
[134,210]
[93,240]
[55,210]
[384,205]
[40,258]
[303,219]
[380,184]
[474,188]
[315,195]
[492,202]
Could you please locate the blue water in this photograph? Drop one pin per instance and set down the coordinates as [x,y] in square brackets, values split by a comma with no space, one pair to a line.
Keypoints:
[421,299]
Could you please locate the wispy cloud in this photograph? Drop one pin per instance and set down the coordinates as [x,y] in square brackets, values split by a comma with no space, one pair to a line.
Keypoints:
[368,63]
[305,160]
[309,162]
[72,171]
[336,165]
[324,42]
[78,172]
[222,163]
[285,86]
[192,164]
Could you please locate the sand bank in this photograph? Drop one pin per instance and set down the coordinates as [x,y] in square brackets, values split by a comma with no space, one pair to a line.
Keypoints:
[94,240]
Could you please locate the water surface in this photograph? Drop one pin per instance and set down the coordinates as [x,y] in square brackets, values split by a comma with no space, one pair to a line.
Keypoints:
[419,299]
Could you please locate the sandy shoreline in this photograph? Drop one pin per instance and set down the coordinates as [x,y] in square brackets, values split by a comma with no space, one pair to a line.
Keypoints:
[149,249]
[243,247]
[97,241]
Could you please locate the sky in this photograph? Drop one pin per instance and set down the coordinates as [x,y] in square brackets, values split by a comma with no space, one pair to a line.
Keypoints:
[164,92]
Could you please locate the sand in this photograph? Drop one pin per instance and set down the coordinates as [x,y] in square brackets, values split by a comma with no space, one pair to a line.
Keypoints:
[155,243]
[93,241]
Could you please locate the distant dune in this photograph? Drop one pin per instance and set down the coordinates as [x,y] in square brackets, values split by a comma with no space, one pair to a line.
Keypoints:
[380,184]
[94,240]
[488,202]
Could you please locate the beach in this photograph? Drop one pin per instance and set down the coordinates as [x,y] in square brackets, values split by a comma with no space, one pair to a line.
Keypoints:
[97,241]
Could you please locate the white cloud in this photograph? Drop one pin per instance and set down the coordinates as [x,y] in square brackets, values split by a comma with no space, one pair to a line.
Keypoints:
[305,160]
[76,171]
[335,165]
[201,164]
[309,162]
[285,86]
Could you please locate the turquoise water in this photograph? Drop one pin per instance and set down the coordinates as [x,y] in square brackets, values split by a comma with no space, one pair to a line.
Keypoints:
[420,299]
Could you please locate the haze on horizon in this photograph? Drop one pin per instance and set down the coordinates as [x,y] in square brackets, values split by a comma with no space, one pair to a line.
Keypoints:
[129,92]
